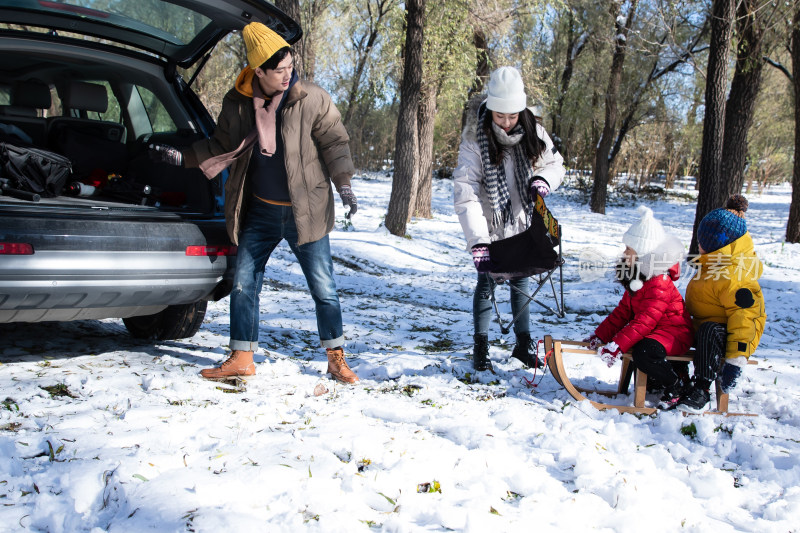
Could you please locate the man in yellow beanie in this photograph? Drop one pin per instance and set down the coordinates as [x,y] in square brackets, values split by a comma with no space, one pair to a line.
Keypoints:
[284,142]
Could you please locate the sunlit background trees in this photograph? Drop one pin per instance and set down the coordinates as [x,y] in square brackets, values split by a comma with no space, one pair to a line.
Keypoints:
[623,87]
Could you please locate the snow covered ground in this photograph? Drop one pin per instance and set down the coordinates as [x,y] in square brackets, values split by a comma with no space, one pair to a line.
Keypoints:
[101,432]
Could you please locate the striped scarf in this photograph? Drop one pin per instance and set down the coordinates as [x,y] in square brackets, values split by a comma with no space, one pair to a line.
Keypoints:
[494,177]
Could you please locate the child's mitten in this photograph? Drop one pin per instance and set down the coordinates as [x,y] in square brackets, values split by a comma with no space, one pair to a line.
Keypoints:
[594,342]
[609,353]
[731,372]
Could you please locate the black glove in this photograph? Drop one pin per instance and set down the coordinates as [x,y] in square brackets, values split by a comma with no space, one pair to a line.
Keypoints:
[348,199]
[481,258]
[730,376]
[163,153]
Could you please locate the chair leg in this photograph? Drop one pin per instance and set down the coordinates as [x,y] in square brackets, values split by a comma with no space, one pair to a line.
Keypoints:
[625,375]
[561,275]
[639,388]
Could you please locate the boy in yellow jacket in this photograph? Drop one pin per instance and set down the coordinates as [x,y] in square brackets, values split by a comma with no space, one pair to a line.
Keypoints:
[725,302]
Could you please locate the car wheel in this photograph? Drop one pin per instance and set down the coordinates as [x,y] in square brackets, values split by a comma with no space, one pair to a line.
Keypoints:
[174,322]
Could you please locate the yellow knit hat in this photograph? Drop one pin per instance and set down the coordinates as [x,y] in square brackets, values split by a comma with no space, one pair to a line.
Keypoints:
[261,43]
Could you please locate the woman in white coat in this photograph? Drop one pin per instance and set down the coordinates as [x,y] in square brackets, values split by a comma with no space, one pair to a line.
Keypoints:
[504,155]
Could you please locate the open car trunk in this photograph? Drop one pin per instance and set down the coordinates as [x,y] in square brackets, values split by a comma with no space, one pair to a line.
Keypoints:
[100,118]
[97,81]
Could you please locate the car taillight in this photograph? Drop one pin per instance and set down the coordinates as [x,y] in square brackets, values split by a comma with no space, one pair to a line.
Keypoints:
[210,250]
[15,248]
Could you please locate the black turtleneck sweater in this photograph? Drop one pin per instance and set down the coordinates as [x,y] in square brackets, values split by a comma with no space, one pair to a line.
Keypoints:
[268,173]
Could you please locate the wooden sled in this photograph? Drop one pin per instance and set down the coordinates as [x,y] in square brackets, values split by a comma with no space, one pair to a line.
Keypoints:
[556,349]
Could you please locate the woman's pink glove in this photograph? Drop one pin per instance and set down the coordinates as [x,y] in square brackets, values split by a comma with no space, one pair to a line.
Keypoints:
[481,258]
[540,186]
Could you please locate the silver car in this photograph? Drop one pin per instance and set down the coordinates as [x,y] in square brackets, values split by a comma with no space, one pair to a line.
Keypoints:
[95,82]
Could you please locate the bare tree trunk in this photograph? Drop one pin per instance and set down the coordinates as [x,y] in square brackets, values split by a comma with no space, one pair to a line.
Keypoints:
[745,86]
[575,45]
[712,191]
[793,225]
[361,141]
[352,95]
[292,8]
[656,72]
[405,180]
[311,12]
[364,45]
[595,129]
[601,162]
[427,119]
[481,69]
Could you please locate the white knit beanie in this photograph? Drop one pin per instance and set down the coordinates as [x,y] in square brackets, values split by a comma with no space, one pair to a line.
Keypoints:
[506,91]
[645,235]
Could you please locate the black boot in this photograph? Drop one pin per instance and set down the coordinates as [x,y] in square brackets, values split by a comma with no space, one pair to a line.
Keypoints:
[696,398]
[522,351]
[480,354]
[673,395]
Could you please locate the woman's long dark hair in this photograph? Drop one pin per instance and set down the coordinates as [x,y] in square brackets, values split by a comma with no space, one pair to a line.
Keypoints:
[533,145]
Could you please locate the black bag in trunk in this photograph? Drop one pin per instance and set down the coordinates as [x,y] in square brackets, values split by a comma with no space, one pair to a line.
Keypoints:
[33,169]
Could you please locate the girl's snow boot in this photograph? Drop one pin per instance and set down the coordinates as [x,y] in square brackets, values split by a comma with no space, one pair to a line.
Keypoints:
[673,394]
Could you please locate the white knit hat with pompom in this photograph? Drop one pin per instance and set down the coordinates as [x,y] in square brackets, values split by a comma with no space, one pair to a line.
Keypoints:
[646,234]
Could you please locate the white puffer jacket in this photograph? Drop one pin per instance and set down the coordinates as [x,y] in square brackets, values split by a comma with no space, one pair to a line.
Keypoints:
[469,196]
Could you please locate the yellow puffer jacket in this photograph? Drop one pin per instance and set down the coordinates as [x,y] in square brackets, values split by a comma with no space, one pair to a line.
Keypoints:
[725,290]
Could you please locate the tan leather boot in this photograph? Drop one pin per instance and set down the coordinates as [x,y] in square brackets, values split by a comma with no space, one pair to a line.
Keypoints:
[337,366]
[239,363]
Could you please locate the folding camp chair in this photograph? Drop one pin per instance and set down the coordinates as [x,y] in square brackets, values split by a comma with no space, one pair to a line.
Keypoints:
[534,252]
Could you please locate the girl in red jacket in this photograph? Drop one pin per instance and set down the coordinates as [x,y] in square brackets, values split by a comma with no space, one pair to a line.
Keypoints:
[651,318]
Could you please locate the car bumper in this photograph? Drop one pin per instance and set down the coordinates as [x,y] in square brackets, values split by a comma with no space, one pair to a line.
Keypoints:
[73,285]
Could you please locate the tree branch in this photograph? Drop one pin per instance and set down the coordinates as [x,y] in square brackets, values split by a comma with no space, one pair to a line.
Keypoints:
[780,67]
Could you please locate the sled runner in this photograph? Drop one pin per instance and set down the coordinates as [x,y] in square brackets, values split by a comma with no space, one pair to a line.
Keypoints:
[535,253]
[557,349]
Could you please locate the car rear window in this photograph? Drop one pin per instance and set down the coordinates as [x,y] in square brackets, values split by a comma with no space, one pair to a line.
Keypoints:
[169,22]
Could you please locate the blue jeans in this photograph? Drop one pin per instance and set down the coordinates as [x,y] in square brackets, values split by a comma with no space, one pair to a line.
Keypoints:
[265,226]
[482,304]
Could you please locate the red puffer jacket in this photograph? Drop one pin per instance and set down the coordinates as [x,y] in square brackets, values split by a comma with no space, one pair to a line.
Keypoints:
[656,311]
